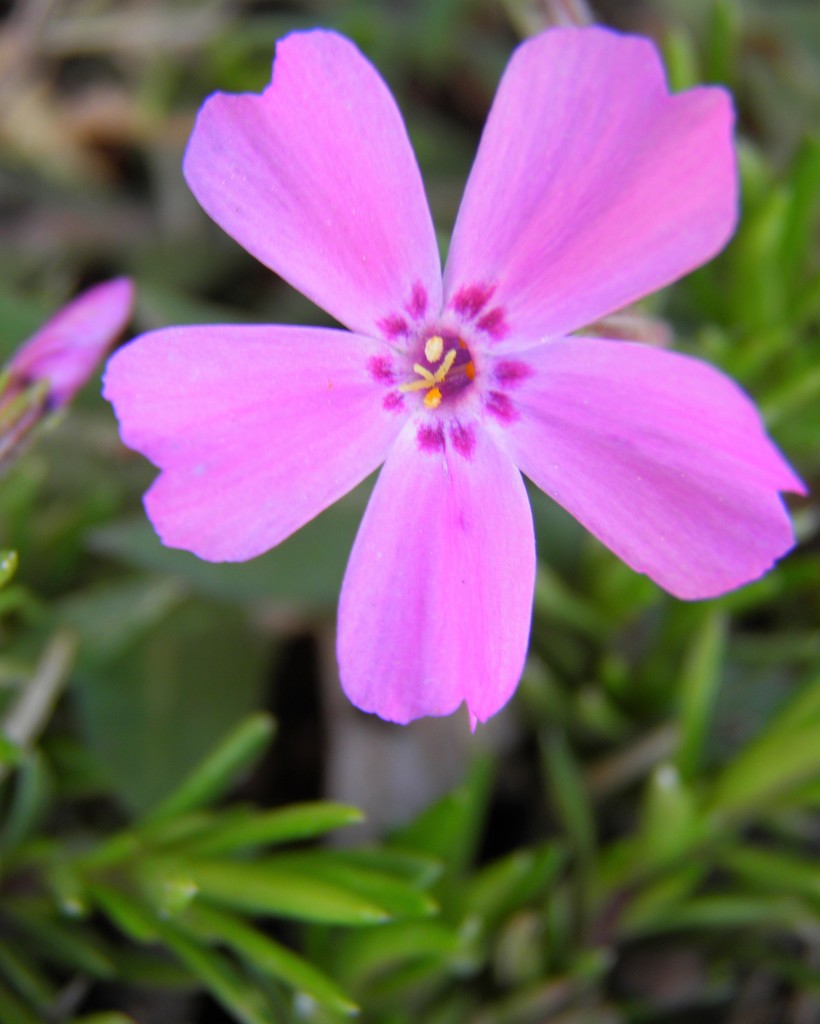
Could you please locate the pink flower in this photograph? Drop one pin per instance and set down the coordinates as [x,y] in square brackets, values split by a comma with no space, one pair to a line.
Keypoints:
[64,352]
[591,188]
[46,372]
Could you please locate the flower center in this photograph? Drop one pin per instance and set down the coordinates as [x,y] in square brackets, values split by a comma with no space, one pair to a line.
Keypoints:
[444,368]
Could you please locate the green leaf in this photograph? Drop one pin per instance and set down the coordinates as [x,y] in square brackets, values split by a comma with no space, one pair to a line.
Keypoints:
[775,871]
[154,712]
[68,944]
[804,197]
[699,684]
[372,953]
[30,798]
[569,791]
[267,828]
[307,568]
[681,60]
[8,565]
[104,1018]
[268,887]
[219,771]
[130,916]
[670,824]
[14,1011]
[449,830]
[505,885]
[722,42]
[391,894]
[25,977]
[785,756]
[269,957]
[729,912]
[110,617]
[230,987]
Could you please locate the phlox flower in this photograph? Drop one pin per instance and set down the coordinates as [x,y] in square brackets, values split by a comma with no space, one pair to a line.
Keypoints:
[592,187]
[45,373]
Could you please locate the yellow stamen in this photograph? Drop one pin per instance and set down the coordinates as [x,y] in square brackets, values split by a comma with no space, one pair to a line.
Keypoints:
[429,381]
[433,348]
[444,369]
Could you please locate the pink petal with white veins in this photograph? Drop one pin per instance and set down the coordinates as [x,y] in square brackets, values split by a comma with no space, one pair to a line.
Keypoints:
[663,458]
[316,178]
[592,186]
[68,347]
[256,429]
[437,599]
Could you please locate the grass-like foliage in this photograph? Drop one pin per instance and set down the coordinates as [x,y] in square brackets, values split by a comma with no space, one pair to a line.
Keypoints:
[634,840]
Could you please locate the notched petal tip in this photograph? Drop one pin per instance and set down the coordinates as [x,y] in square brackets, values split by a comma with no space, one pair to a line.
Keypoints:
[316,177]
[592,186]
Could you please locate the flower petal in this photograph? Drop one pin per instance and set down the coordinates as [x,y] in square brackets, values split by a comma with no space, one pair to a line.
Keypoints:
[659,455]
[256,429]
[316,178]
[437,599]
[67,348]
[592,186]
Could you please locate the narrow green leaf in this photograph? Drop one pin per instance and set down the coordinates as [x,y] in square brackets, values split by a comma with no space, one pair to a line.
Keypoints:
[730,911]
[649,905]
[14,1010]
[569,791]
[722,42]
[681,60]
[269,957]
[10,754]
[32,789]
[766,770]
[804,197]
[670,823]
[393,895]
[699,684]
[449,830]
[231,988]
[282,890]
[255,828]
[24,976]
[504,886]
[132,919]
[219,771]
[69,944]
[776,871]
[8,565]
[374,952]
[409,866]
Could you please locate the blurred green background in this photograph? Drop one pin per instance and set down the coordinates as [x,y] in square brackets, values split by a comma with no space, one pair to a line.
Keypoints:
[634,839]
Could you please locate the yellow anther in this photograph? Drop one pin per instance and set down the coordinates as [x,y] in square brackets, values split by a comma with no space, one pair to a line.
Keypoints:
[433,348]
[429,381]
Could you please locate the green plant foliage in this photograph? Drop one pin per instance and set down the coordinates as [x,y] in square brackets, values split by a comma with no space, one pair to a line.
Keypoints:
[634,841]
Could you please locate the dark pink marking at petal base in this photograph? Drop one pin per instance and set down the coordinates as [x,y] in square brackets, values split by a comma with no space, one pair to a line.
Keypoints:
[463,439]
[393,326]
[381,369]
[393,401]
[493,323]
[417,306]
[510,373]
[431,439]
[471,299]
[501,407]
